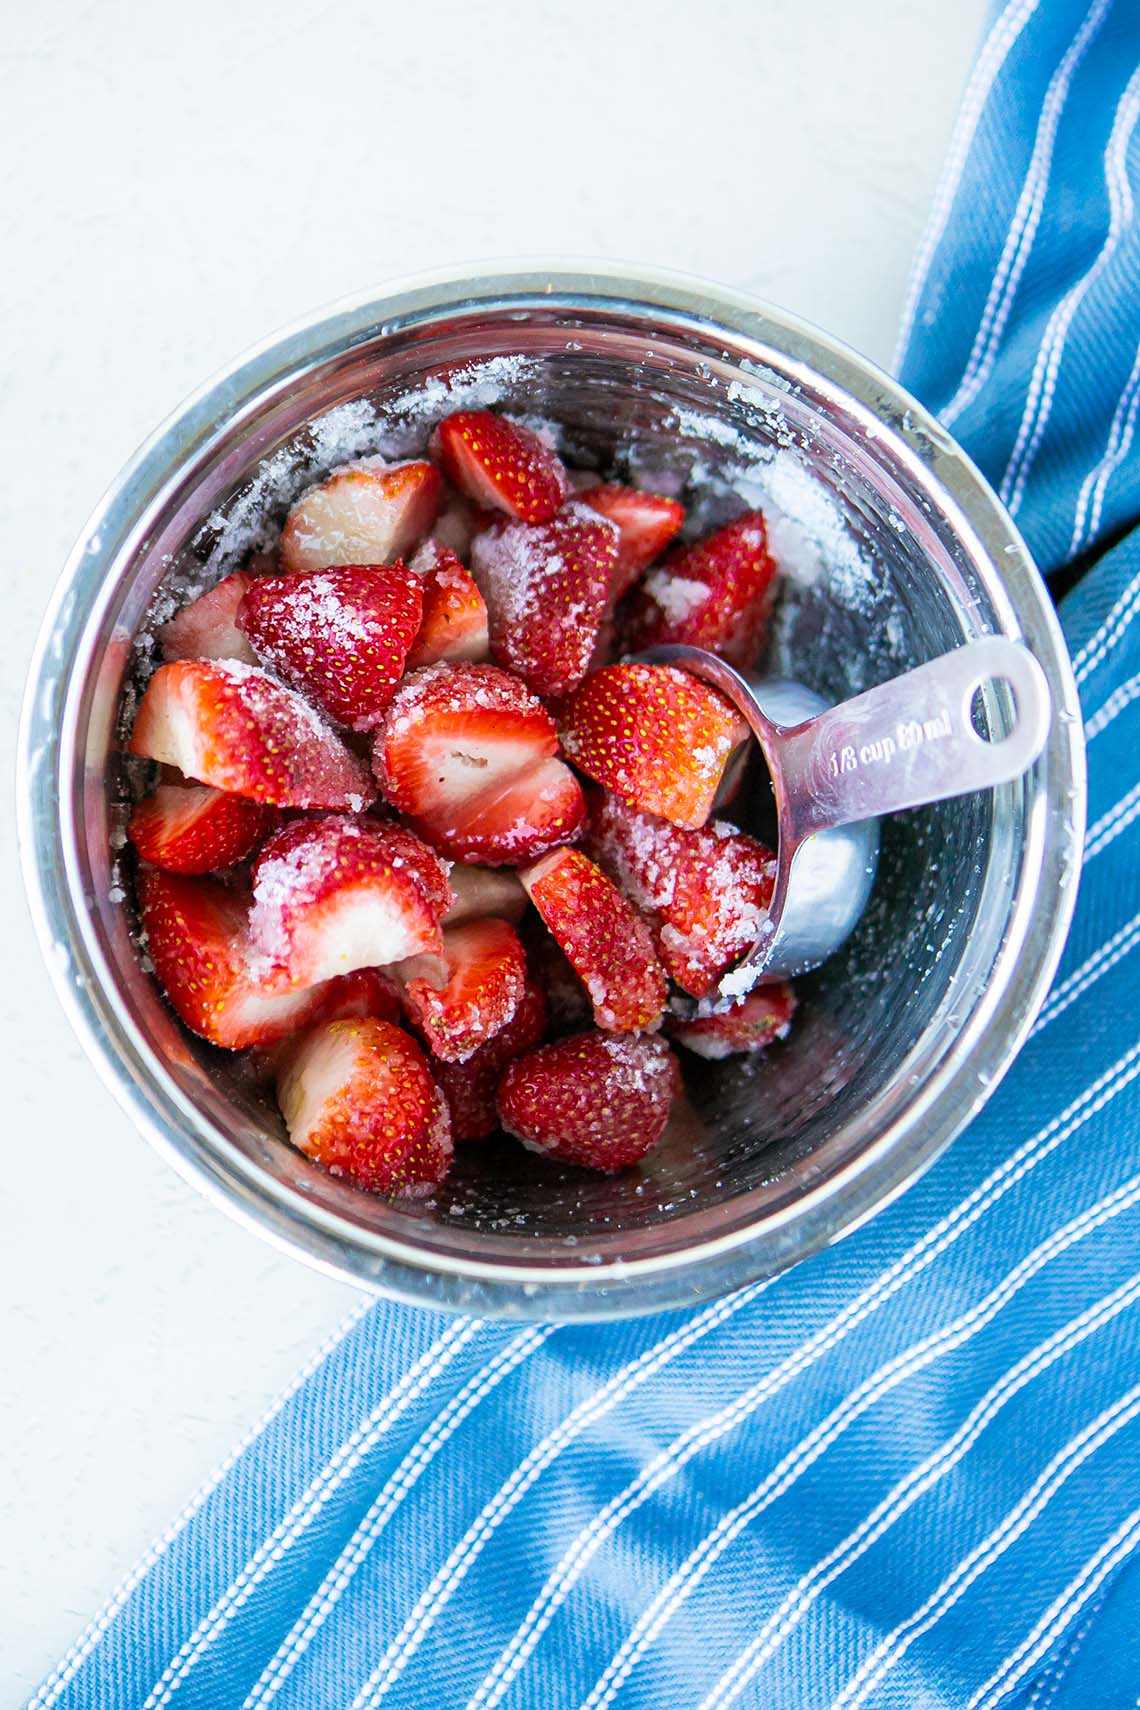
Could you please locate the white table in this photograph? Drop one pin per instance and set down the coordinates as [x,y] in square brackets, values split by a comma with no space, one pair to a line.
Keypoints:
[176,183]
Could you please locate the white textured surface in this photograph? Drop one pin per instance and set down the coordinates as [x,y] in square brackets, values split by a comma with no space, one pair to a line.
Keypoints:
[174,183]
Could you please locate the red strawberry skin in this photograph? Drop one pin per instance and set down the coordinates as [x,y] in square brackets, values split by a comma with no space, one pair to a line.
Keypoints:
[368,513]
[499,464]
[191,828]
[486,979]
[646,524]
[207,627]
[228,724]
[715,594]
[454,621]
[604,938]
[706,891]
[597,1100]
[750,1024]
[546,586]
[339,636]
[655,736]
[196,935]
[470,1087]
[468,753]
[357,1096]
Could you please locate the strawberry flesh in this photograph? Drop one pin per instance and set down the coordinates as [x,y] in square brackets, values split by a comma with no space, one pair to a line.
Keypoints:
[596,1099]
[370,512]
[470,1087]
[500,464]
[747,1025]
[454,621]
[485,981]
[192,828]
[646,523]
[546,586]
[657,737]
[357,1097]
[715,594]
[604,938]
[480,891]
[207,628]
[231,725]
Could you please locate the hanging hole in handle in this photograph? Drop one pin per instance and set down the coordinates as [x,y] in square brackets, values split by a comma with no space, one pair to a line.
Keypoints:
[993,709]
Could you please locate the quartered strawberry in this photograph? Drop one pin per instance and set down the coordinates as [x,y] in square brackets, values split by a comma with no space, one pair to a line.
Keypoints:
[656,736]
[604,938]
[191,828]
[370,512]
[480,891]
[546,586]
[747,1025]
[486,978]
[646,524]
[705,891]
[468,753]
[366,991]
[207,627]
[715,594]
[231,725]
[196,935]
[357,1096]
[470,1087]
[338,893]
[454,621]
[340,636]
[500,464]
[596,1099]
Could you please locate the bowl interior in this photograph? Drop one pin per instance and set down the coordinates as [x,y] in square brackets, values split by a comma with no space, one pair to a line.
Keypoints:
[880,573]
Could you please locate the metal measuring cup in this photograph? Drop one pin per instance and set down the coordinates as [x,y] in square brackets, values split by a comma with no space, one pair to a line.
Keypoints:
[836,770]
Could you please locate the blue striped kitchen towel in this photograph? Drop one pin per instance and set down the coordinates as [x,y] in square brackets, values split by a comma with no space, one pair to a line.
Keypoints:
[907,1473]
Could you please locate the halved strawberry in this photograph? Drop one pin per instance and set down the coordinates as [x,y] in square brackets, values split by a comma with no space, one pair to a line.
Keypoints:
[454,621]
[646,524]
[339,636]
[357,1096]
[468,753]
[334,894]
[595,1099]
[192,828]
[480,891]
[714,594]
[501,464]
[706,891]
[546,586]
[747,1025]
[196,935]
[231,725]
[606,941]
[370,512]
[486,978]
[654,735]
[207,627]
[470,1087]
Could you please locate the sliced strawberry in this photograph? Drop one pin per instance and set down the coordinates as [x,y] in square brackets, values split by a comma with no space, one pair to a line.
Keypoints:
[546,586]
[500,464]
[646,524]
[370,512]
[715,594]
[357,1096]
[656,736]
[340,636]
[334,894]
[747,1025]
[467,752]
[229,724]
[486,978]
[458,523]
[706,891]
[606,941]
[197,939]
[480,891]
[470,1087]
[207,627]
[595,1099]
[366,991]
[454,622]
[191,828]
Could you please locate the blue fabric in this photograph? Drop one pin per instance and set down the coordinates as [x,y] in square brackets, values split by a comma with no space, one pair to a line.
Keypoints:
[908,1473]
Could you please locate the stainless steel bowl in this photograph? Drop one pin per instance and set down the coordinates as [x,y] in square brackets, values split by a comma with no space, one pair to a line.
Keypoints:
[900,1038]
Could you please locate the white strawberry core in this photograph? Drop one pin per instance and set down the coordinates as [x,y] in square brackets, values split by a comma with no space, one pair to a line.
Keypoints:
[322,1067]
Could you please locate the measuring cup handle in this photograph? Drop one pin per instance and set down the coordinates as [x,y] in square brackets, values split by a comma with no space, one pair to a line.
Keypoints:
[911,741]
